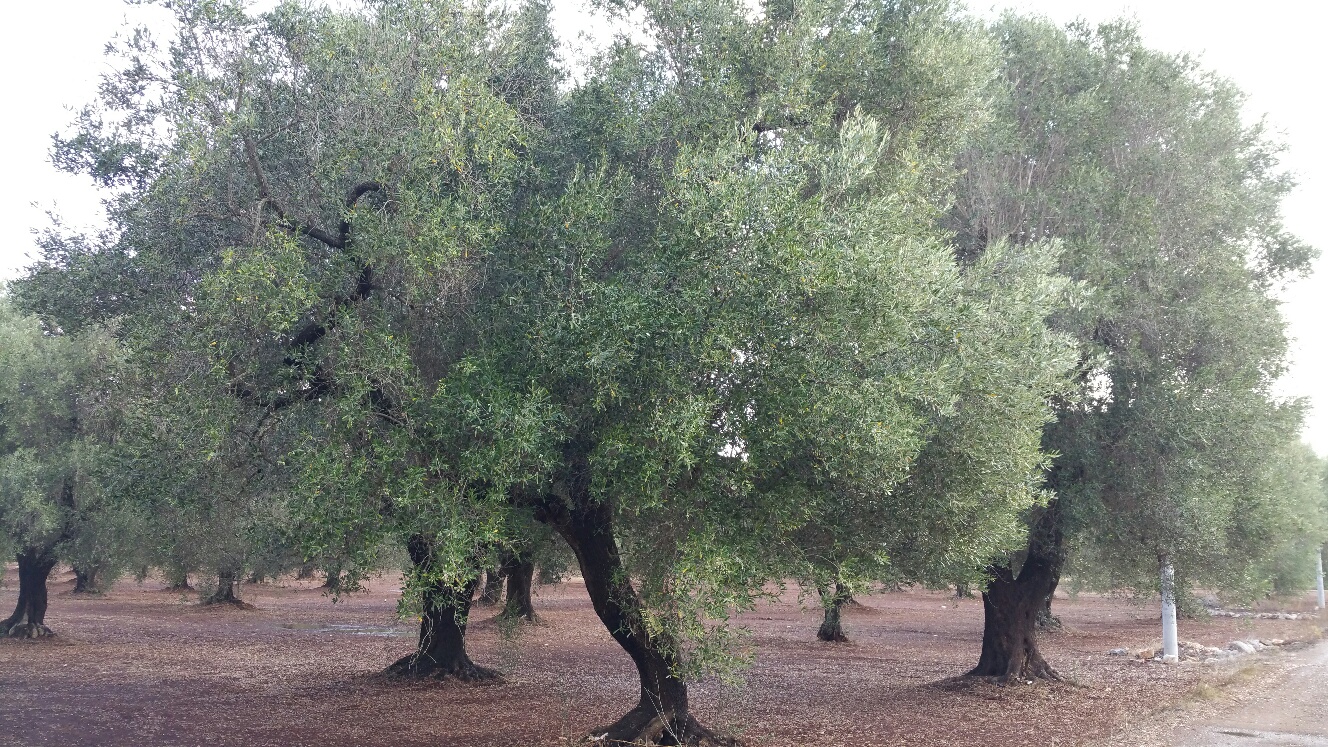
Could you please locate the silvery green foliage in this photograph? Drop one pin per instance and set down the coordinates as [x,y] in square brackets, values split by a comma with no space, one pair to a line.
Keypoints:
[59,419]
[1167,207]
[709,273]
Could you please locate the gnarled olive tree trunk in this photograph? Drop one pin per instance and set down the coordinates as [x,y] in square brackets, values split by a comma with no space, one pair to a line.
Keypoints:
[1011,604]
[441,650]
[29,618]
[662,715]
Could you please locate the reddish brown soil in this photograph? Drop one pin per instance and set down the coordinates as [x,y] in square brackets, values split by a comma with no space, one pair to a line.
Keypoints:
[143,666]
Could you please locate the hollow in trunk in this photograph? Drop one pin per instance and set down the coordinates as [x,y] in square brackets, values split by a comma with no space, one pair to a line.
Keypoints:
[29,618]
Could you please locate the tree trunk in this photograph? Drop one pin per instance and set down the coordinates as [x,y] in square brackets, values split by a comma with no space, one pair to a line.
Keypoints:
[520,581]
[29,618]
[225,592]
[87,579]
[1011,605]
[661,716]
[178,579]
[832,627]
[332,577]
[441,651]
[493,587]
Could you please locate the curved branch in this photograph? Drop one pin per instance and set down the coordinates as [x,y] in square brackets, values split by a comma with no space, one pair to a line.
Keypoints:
[341,239]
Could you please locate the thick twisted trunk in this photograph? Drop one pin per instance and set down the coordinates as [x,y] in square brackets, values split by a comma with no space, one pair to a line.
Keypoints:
[1011,605]
[441,650]
[662,715]
[29,619]
[832,626]
[520,575]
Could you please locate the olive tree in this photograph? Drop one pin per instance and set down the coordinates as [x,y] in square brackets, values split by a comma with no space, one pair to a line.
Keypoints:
[58,420]
[693,311]
[1167,208]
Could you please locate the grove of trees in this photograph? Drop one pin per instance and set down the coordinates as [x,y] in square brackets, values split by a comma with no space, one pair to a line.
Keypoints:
[844,292]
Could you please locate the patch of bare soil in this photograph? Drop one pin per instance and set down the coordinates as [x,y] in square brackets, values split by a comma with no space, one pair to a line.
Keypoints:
[144,666]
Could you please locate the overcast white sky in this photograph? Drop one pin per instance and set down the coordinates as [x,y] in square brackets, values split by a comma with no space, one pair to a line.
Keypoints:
[1273,50]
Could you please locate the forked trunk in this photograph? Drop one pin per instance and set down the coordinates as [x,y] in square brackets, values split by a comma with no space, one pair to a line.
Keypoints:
[29,618]
[87,579]
[492,591]
[520,580]
[832,626]
[441,650]
[661,716]
[1011,605]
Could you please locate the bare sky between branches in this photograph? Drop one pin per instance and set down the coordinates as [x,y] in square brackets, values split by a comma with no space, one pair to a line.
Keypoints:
[1273,51]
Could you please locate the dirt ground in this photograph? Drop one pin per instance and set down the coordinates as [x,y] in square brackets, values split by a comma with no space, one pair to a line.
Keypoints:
[146,667]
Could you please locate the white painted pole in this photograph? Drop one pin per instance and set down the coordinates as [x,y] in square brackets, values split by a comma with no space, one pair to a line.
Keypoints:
[1318,559]
[1170,647]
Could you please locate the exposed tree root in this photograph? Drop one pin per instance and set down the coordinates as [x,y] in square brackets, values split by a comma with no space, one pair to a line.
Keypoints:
[831,634]
[508,618]
[424,667]
[27,630]
[1048,622]
[648,726]
[1025,668]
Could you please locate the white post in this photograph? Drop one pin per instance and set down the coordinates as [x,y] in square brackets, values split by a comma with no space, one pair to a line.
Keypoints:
[1318,559]
[1170,648]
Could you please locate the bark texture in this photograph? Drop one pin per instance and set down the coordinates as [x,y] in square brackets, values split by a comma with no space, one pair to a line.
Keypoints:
[29,619]
[1011,604]
[662,715]
[440,653]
